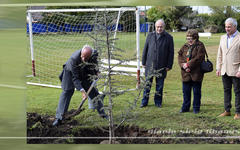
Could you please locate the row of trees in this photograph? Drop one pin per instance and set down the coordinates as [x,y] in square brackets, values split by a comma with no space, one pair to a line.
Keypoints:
[177,17]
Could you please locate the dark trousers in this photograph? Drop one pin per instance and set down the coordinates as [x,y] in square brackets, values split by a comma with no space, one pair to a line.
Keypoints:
[66,96]
[187,90]
[158,93]
[228,81]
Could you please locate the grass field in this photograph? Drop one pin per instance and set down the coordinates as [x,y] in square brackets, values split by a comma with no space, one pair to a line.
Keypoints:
[45,100]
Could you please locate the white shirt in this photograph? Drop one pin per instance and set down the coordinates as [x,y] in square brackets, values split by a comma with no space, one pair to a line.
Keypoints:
[230,38]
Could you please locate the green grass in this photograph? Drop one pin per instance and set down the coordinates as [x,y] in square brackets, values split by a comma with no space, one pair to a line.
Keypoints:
[45,100]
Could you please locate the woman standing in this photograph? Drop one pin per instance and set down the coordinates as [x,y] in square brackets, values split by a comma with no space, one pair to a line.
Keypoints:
[190,57]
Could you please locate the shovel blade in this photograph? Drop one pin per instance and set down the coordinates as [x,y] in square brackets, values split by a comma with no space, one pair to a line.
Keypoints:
[73,113]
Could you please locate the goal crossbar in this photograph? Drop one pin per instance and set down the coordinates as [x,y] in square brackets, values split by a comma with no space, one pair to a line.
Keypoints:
[84,10]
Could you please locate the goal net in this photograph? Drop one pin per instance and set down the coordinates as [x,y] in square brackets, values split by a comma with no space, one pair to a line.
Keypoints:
[55,34]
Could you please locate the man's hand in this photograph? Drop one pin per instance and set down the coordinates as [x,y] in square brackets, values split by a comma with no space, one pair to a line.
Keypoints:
[238,74]
[167,69]
[187,70]
[185,66]
[144,66]
[218,73]
[84,94]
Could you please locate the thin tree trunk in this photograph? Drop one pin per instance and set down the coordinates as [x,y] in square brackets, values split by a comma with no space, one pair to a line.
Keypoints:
[111,128]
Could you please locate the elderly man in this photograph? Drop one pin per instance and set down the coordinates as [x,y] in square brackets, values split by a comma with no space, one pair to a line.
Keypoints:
[228,66]
[78,72]
[157,59]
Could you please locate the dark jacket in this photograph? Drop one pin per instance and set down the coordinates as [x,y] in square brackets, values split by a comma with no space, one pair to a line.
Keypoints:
[75,71]
[198,55]
[158,53]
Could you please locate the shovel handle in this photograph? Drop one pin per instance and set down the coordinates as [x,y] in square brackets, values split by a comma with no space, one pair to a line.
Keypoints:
[89,90]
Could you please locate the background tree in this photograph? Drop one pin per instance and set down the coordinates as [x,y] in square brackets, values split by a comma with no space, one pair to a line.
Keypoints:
[171,15]
[176,13]
[220,14]
[160,12]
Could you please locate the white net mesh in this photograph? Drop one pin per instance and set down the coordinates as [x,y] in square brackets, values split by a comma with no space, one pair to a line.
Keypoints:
[57,35]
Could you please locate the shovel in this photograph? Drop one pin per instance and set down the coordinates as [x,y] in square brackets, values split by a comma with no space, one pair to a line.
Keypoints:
[76,112]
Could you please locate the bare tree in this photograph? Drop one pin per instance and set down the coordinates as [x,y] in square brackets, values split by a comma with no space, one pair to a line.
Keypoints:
[105,42]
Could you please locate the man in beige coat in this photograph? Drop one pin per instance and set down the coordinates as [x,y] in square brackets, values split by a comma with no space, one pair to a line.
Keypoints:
[228,66]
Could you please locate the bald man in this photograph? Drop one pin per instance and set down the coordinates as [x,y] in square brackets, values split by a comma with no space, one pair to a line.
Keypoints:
[78,72]
[157,59]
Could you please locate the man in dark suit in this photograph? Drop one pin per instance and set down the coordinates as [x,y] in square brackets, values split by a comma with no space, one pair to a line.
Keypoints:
[79,72]
[157,59]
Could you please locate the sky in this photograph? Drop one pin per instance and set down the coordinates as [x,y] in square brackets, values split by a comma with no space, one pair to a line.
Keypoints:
[200,9]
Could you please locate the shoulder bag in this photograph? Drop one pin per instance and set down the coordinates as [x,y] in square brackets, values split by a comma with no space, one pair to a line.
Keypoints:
[206,65]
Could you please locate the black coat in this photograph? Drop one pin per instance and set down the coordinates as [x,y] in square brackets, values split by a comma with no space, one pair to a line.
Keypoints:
[158,53]
[75,71]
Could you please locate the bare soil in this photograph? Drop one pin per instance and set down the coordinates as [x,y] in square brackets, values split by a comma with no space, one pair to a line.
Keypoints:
[41,131]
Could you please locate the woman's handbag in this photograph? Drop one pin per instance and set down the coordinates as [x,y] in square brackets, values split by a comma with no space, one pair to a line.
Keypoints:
[206,66]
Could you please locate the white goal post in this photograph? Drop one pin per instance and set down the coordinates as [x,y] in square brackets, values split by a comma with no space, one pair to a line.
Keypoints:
[54,34]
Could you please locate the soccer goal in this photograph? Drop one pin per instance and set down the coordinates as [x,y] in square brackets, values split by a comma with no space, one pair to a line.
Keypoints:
[54,34]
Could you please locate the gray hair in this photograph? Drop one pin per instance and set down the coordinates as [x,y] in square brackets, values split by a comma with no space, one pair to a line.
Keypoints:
[232,21]
[160,20]
[87,46]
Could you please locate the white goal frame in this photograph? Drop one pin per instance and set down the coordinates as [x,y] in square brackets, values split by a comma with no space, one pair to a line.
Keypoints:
[29,15]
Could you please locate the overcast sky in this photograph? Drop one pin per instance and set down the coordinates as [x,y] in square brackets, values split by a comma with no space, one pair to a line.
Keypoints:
[200,9]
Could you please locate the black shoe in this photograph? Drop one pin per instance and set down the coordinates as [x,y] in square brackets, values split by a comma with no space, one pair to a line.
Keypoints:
[57,122]
[104,116]
[158,105]
[141,106]
[183,111]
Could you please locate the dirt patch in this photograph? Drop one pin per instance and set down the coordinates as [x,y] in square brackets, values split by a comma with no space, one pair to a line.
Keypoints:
[40,131]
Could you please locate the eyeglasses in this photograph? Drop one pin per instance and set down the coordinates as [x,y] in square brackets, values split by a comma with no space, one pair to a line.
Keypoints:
[189,39]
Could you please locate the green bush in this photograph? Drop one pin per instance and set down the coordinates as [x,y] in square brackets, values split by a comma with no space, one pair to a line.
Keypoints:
[211,28]
[217,20]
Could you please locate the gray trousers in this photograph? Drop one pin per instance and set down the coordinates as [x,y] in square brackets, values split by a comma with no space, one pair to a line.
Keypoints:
[65,99]
[228,81]
[63,103]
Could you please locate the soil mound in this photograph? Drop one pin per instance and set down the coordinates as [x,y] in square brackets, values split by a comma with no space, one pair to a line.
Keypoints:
[41,131]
